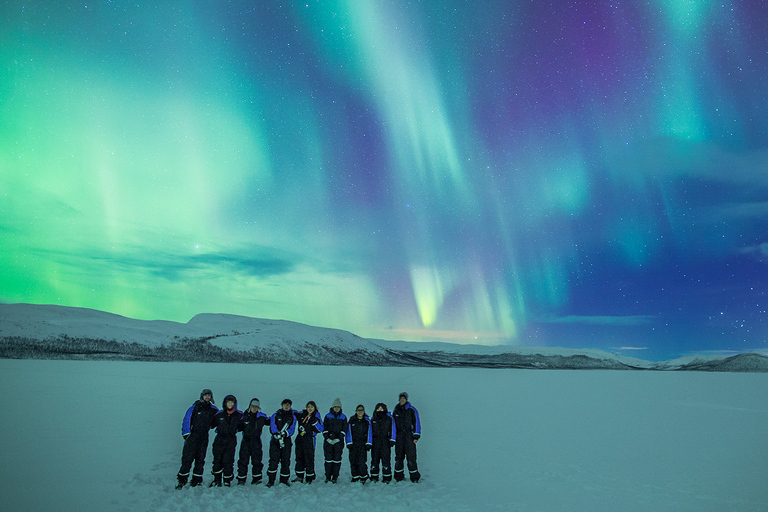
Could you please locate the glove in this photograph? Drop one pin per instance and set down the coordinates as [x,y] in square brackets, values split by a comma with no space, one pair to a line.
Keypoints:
[185,436]
[302,430]
[367,447]
[332,441]
[277,437]
[391,443]
[349,445]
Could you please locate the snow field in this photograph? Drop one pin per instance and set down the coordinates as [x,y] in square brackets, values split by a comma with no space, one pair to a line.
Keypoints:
[106,436]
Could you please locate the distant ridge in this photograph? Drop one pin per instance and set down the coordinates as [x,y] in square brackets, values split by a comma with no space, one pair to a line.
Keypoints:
[59,332]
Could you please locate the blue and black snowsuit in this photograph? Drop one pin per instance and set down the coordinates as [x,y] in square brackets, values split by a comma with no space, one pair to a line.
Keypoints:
[282,426]
[309,425]
[334,428]
[250,447]
[359,439]
[408,428]
[384,436]
[227,424]
[195,427]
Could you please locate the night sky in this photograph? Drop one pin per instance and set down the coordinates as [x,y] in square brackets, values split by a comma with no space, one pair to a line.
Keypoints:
[578,174]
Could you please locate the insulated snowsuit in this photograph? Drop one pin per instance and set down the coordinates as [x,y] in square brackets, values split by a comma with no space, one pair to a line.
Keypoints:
[334,428]
[282,426]
[227,425]
[250,447]
[308,427]
[408,428]
[194,427]
[358,443]
[384,436]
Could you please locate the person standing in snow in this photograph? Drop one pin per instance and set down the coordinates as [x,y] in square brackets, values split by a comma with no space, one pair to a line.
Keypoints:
[194,427]
[227,423]
[384,435]
[282,426]
[408,433]
[309,424]
[334,429]
[250,447]
[359,443]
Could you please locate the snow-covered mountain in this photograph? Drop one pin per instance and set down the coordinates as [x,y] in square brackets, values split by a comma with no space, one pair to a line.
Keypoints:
[47,331]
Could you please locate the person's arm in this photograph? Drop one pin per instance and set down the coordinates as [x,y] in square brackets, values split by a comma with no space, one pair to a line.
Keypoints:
[318,425]
[416,425]
[186,423]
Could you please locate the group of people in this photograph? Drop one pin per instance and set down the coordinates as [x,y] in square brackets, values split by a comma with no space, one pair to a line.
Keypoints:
[360,433]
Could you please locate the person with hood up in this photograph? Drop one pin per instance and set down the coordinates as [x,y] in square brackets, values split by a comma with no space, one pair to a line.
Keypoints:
[227,423]
[408,428]
[194,429]
[359,440]
[309,425]
[250,447]
[282,425]
[334,428]
[384,435]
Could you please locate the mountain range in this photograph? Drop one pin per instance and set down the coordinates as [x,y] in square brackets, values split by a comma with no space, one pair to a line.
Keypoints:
[60,332]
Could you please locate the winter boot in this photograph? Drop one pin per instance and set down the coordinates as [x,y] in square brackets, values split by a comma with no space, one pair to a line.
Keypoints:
[216,480]
[256,480]
[240,481]
[196,480]
[228,481]
[182,482]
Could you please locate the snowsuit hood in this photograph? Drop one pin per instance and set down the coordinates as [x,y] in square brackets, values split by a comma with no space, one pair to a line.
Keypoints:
[224,403]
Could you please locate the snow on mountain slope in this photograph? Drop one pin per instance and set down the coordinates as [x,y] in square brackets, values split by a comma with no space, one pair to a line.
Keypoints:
[233,338]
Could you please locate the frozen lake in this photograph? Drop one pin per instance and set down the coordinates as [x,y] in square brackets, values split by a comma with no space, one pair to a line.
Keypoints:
[81,435]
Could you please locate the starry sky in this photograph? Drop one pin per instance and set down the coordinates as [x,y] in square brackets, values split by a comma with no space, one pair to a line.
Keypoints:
[571,173]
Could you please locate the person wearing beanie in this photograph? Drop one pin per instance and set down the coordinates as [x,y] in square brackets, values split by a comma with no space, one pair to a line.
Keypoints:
[309,425]
[334,427]
[384,436]
[408,427]
[194,429]
[251,451]
[282,425]
[358,444]
[227,425]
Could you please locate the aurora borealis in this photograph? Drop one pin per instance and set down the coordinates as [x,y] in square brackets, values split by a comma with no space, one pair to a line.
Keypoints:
[581,174]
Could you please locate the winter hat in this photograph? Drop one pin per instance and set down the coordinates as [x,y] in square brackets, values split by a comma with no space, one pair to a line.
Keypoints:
[336,403]
[255,401]
[207,391]
[286,401]
[382,405]
[403,395]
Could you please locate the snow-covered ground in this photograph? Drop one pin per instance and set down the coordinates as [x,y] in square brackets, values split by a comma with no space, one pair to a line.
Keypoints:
[105,436]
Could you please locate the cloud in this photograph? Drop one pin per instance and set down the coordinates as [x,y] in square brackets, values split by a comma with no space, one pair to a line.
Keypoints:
[600,320]
[629,348]
[759,252]
[255,262]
